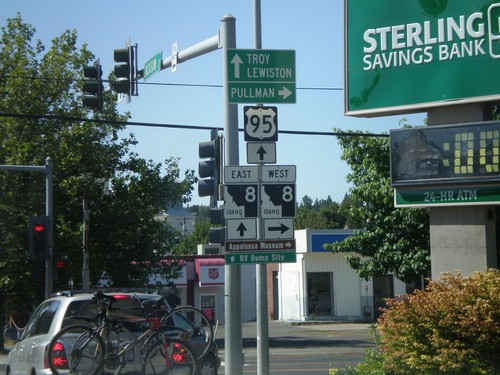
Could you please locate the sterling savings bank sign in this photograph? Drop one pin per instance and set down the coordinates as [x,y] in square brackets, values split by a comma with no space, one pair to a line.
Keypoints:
[407,56]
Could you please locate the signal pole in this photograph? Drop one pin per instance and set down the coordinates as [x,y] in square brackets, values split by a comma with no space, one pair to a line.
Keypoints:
[233,345]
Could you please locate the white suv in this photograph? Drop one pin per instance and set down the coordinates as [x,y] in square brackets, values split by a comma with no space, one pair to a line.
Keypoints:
[29,355]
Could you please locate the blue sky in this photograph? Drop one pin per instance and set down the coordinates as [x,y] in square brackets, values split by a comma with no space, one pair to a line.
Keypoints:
[313,29]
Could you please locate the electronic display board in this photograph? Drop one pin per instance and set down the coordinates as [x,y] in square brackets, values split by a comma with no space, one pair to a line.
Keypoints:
[448,154]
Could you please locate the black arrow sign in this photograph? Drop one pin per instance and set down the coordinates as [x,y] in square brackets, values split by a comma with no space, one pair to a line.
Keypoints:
[261,153]
[242,229]
[282,228]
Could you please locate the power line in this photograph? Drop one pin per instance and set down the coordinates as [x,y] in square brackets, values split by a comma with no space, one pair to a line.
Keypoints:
[160,83]
[178,126]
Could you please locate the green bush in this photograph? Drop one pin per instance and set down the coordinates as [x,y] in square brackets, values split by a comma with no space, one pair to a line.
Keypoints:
[453,327]
[372,362]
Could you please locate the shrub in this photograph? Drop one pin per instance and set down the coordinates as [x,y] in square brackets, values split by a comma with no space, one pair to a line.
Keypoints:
[453,327]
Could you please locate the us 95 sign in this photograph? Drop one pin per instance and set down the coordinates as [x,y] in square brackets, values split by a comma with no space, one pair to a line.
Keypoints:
[457,154]
[261,124]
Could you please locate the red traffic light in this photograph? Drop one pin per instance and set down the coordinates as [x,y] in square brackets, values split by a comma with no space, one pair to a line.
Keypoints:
[38,227]
[61,263]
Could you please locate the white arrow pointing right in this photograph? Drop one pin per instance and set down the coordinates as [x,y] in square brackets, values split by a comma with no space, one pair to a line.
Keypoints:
[285,93]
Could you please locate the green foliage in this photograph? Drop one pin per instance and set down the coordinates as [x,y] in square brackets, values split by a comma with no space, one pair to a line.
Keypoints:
[320,214]
[372,364]
[453,327]
[188,244]
[123,230]
[392,240]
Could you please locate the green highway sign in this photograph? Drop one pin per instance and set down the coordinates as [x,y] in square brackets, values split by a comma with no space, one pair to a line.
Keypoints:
[447,196]
[261,76]
[152,66]
[261,257]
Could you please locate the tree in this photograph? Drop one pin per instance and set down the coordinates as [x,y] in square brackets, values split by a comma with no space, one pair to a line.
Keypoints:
[46,84]
[392,240]
[320,214]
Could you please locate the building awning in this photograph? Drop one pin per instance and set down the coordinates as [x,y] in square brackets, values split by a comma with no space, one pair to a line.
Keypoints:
[210,271]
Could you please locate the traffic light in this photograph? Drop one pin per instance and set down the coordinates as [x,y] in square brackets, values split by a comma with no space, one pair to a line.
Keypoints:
[217,235]
[210,170]
[38,238]
[62,269]
[125,71]
[92,86]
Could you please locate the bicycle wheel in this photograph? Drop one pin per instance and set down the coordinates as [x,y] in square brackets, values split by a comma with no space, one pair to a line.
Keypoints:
[76,349]
[172,356]
[190,324]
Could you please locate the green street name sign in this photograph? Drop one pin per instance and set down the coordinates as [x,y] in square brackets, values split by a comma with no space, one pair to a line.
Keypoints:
[261,76]
[447,196]
[427,54]
[261,257]
[152,66]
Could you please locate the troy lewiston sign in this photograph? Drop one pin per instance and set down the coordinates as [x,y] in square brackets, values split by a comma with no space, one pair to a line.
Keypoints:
[425,54]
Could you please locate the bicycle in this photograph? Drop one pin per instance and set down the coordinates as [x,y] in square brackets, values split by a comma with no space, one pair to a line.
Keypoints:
[84,350]
[189,324]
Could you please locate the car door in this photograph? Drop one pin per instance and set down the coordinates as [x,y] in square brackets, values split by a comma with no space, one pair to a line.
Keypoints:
[21,357]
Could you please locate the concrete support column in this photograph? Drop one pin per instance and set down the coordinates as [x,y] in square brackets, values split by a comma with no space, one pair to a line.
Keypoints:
[462,238]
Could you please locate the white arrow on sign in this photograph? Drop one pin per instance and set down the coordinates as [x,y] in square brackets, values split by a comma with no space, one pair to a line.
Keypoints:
[285,93]
[236,61]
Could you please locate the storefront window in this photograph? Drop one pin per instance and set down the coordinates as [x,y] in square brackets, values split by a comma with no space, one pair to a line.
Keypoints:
[319,293]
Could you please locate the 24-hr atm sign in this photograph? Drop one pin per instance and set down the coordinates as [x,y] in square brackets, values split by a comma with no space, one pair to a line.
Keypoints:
[428,53]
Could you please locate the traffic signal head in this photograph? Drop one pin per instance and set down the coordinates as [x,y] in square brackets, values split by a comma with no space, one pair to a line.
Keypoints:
[209,170]
[92,86]
[62,269]
[217,235]
[125,71]
[38,238]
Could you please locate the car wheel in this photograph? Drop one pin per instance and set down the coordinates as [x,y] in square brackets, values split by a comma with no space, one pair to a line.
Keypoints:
[207,367]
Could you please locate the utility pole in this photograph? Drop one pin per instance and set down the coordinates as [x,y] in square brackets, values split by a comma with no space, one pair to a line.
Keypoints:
[47,169]
[233,347]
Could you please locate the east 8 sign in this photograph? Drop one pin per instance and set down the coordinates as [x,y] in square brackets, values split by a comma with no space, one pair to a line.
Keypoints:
[455,154]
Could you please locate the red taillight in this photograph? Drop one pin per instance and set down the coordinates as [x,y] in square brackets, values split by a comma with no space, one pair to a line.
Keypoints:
[59,359]
[179,354]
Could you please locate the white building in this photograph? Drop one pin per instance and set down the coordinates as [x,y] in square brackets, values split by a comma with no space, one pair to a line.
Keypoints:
[322,286]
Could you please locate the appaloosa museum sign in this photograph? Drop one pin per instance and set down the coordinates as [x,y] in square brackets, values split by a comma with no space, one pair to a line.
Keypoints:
[407,56]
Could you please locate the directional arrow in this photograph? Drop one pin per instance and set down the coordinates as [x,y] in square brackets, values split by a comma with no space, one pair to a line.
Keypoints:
[282,228]
[237,61]
[261,152]
[285,93]
[242,229]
